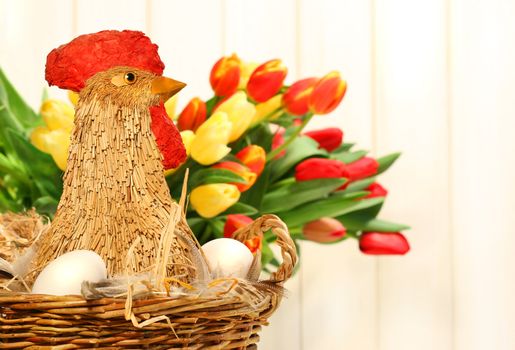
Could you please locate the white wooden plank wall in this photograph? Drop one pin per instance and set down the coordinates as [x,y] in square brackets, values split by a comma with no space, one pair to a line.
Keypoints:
[431,78]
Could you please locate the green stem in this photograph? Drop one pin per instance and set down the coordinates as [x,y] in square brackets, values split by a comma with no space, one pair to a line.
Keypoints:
[293,136]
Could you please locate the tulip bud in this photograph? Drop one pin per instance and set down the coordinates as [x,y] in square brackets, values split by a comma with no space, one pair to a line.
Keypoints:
[213,199]
[225,75]
[187,137]
[320,168]
[241,170]
[212,137]
[193,115]
[54,142]
[376,190]
[328,139]
[269,110]
[277,141]
[171,106]
[240,112]
[246,71]
[324,230]
[383,243]
[254,157]
[57,115]
[327,93]
[235,222]
[362,168]
[266,80]
[296,98]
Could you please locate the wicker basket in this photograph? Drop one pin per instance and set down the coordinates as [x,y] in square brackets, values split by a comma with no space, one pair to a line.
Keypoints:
[220,321]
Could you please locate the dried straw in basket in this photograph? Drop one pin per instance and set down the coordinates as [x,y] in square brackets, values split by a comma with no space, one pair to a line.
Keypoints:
[224,314]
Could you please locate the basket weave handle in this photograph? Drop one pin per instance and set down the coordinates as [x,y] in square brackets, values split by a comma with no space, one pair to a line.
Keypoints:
[278,227]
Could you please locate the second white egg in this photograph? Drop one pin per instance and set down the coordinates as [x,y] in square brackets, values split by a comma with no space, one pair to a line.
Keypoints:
[228,257]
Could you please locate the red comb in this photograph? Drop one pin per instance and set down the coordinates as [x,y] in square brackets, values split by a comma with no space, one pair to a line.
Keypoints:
[70,65]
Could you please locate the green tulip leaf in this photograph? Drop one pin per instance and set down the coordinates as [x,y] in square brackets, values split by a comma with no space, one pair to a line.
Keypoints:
[11,99]
[360,223]
[333,206]
[387,161]
[360,184]
[240,208]
[301,148]
[349,157]
[46,205]
[213,176]
[345,147]
[254,195]
[294,194]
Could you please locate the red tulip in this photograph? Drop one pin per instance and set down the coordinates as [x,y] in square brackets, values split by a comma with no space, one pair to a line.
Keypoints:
[241,170]
[328,139]
[254,244]
[235,222]
[327,94]
[376,190]
[277,141]
[266,80]
[193,115]
[324,230]
[383,243]
[254,157]
[225,75]
[362,168]
[296,98]
[320,168]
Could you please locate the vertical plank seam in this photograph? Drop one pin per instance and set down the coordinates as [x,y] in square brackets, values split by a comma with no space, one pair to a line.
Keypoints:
[450,169]
[373,136]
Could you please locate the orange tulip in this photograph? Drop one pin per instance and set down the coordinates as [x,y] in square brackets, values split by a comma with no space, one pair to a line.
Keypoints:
[193,115]
[324,230]
[225,75]
[327,93]
[266,80]
[296,98]
[254,157]
[241,170]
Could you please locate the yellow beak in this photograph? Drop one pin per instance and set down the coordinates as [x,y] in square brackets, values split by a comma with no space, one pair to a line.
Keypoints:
[166,87]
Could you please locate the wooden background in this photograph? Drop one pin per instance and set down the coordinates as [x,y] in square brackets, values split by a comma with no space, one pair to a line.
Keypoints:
[432,78]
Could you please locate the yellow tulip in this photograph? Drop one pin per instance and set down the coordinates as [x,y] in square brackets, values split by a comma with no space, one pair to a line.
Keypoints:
[211,139]
[266,109]
[240,112]
[213,199]
[246,71]
[57,115]
[73,97]
[54,142]
[38,138]
[171,106]
[187,138]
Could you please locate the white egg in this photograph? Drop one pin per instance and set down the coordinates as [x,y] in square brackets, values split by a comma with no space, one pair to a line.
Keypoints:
[228,257]
[64,275]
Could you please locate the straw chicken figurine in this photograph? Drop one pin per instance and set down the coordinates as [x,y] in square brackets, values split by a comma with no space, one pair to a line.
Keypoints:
[114,185]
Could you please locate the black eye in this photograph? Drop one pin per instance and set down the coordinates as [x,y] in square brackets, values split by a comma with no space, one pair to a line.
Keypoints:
[130,78]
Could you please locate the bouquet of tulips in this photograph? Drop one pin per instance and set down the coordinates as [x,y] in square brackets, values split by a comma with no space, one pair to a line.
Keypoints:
[248,155]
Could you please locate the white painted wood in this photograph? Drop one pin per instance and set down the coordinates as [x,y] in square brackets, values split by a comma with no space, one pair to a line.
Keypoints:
[415,291]
[95,15]
[189,34]
[29,30]
[339,301]
[483,173]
